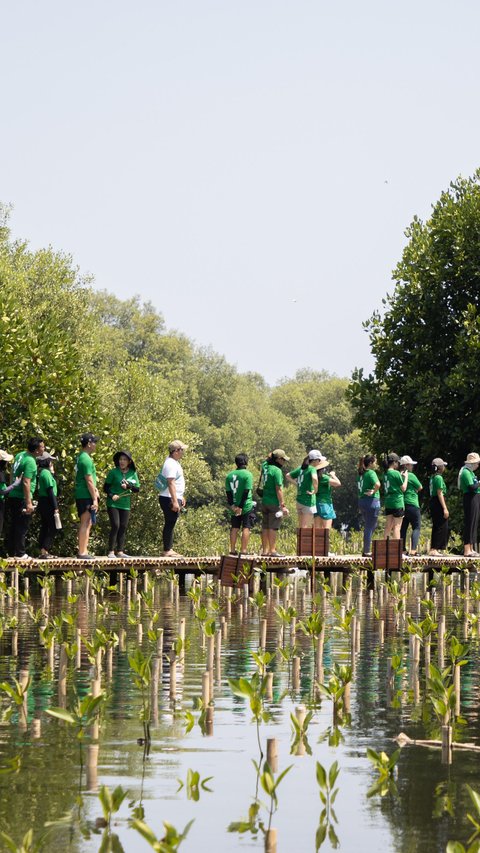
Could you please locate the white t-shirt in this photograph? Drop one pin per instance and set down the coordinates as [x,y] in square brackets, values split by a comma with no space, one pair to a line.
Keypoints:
[172,468]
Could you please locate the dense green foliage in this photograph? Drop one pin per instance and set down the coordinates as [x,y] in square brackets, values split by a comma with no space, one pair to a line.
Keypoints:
[76,359]
[422,397]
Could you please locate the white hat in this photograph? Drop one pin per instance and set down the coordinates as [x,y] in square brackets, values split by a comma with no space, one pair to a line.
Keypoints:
[5,457]
[407,460]
[315,454]
[472,459]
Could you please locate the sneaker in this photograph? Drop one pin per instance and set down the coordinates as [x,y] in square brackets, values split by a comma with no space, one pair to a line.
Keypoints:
[472,554]
[111,555]
[46,557]
[276,554]
[85,557]
[22,557]
[367,554]
[122,555]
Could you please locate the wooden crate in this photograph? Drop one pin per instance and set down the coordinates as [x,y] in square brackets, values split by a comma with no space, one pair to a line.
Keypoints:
[232,567]
[312,542]
[388,554]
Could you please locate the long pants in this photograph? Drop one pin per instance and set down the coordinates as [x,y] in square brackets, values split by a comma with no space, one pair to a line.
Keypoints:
[118,527]
[171,519]
[440,530]
[370,510]
[19,524]
[47,523]
[471,514]
[412,516]
[2,515]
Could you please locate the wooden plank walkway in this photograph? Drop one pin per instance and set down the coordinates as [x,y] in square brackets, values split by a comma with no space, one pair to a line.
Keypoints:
[211,564]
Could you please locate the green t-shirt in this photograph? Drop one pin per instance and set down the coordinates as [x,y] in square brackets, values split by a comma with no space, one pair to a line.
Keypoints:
[25,465]
[413,486]
[45,480]
[114,481]
[467,478]
[366,482]
[84,466]
[273,478]
[305,478]
[239,482]
[437,482]
[324,494]
[392,483]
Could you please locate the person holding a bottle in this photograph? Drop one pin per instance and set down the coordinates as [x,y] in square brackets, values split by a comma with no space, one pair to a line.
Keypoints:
[47,505]
[273,503]
[120,483]
[86,492]
[21,496]
[327,480]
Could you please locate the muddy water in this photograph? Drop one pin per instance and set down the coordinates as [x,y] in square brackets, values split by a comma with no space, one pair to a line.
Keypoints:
[431,802]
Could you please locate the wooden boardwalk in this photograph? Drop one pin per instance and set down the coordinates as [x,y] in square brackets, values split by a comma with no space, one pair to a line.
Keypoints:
[211,564]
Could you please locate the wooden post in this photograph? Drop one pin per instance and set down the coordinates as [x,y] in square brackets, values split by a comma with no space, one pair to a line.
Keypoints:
[271,841]
[173,675]
[300,713]
[272,754]
[296,672]
[446,744]
[91,767]
[62,677]
[269,686]
[263,634]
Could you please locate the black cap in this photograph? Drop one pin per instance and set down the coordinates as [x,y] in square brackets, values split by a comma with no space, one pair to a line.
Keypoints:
[124,453]
[88,436]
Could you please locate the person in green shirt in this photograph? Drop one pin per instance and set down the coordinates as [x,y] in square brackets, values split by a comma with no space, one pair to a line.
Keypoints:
[47,504]
[438,508]
[327,480]
[121,481]
[412,506]
[468,485]
[273,503]
[239,491]
[86,492]
[395,485]
[368,499]
[20,499]
[306,479]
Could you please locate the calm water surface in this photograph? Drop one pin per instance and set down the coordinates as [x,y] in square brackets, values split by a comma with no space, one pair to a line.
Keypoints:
[432,800]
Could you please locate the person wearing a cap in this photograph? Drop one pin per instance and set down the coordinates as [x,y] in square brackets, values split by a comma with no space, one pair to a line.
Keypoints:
[324,501]
[239,491]
[171,485]
[86,492]
[20,498]
[121,481]
[412,506]
[438,508]
[306,479]
[468,485]
[47,504]
[5,458]
[273,503]
[368,499]
[395,485]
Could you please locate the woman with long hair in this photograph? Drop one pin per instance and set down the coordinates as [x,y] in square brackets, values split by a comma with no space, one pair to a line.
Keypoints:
[395,485]
[368,499]
[438,508]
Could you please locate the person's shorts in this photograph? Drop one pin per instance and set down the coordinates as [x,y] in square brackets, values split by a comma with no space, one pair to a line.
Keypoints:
[247,520]
[397,513]
[326,511]
[306,510]
[83,505]
[269,517]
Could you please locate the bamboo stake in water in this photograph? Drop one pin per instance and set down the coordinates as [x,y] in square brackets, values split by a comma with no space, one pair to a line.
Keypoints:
[272,754]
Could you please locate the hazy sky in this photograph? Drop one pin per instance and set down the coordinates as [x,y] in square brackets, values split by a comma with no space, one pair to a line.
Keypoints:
[249,167]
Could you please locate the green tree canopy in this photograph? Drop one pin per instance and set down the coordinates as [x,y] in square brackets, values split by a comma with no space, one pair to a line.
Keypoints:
[422,396]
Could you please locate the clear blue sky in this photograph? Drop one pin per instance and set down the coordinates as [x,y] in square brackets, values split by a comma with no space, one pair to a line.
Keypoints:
[249,167]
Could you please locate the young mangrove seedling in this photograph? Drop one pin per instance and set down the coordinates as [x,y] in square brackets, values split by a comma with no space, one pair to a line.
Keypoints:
[140,664]
[474,840]
[16,692]
[385,766]
[83,714]
[441,693]
[171,840]
[193,784]
[254,690]
[340,676]
[328,794]
[28,843]
[262,660]
[299,733]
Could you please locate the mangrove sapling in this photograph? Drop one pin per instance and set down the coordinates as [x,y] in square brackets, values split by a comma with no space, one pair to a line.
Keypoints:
[140,664]
[441,693]
[312,627]
[262,660]
[28,843]
[299,732]
[270,786]
[254,690]
[16,693]
[474,840]
[193,784]
[340,676]
[171,840]
[386,768]
[285,614]
[81,716]
[328,793]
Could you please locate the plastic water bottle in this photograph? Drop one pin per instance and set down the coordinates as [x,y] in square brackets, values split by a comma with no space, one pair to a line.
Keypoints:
[57,520]
[279,514]
[93,515]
